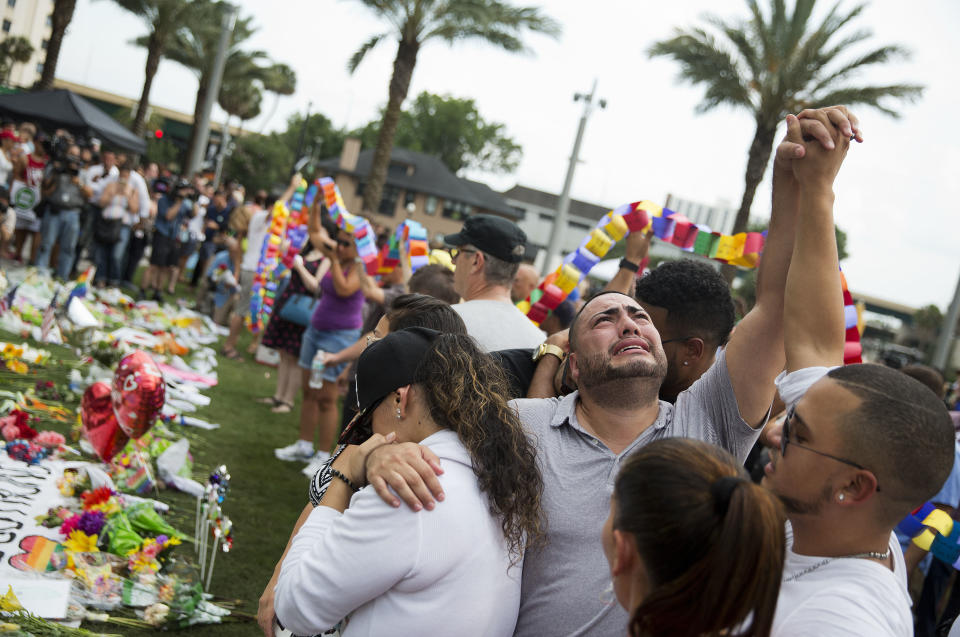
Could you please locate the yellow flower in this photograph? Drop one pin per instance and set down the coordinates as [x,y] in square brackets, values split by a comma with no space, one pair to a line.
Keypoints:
[173,541]
[81,542]
[9,602]
[8,349]
[18,367]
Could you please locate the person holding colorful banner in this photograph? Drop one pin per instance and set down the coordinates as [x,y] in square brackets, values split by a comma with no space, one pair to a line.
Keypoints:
[335,325]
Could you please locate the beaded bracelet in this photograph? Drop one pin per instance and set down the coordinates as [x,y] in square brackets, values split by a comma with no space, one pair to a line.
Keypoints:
[345,479]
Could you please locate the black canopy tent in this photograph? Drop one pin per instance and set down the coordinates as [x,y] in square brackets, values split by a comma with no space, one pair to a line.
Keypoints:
[61,108]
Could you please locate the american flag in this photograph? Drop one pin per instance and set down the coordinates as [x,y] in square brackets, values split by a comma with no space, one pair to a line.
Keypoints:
[6,302]
[48,317]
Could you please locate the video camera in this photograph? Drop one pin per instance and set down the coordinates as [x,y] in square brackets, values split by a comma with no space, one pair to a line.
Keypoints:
[57,147]
[184,190]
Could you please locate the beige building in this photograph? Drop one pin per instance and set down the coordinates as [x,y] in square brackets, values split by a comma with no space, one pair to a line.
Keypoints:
[29,19]
[419,187]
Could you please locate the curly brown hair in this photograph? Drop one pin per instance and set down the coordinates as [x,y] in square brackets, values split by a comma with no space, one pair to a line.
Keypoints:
[467,392]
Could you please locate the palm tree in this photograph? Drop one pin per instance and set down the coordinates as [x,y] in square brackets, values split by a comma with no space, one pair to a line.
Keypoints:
[278,79]
[164,19]
[772,65]
[13,50]
[416,22]
[195,48]
[59,20]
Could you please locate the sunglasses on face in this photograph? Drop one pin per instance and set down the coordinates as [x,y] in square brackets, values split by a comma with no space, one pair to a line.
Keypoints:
[454,252]
[785,441]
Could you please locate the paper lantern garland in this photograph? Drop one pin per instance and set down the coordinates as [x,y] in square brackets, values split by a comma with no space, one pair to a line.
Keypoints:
[933,530]
[413,234]
[852,349]
[741,249]
[288,224]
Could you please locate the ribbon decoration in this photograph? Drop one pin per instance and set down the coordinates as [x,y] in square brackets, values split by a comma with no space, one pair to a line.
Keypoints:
[742,249]
[288,224]
[933,530]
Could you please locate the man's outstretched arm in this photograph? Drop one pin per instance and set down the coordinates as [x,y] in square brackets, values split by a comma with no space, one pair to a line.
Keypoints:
[756,353]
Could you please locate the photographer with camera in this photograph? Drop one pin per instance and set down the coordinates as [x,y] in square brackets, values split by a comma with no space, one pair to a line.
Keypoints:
[64,197]
[173,211]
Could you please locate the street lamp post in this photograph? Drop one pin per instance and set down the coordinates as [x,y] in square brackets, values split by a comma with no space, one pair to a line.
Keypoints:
[563,207]
[202,124]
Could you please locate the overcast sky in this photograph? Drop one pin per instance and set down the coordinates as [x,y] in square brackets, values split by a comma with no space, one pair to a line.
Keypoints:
[897,195]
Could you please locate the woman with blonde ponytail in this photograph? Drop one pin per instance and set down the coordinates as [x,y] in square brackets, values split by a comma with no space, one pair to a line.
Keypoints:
[695,548]
[454,570]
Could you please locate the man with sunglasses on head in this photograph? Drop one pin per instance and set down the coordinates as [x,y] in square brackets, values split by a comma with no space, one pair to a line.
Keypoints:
[486,254]
[862,446]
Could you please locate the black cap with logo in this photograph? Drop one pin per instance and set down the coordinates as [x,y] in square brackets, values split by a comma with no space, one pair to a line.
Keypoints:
[383,367]
[496,236]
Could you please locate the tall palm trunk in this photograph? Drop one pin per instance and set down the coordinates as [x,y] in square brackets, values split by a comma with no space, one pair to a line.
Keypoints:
[759,156]
[403,66]
[153,62]
[60,19]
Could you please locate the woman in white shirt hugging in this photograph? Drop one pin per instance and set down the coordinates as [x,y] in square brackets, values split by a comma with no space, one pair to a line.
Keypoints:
[454,570]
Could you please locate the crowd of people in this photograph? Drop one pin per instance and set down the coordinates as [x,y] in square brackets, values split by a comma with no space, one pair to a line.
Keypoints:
[639,462]
[646,413]
[67,202]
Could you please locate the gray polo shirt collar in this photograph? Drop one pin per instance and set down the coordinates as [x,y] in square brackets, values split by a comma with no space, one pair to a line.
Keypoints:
[566,413]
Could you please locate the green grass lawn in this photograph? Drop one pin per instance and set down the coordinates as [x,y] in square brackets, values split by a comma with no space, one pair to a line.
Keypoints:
[265,497]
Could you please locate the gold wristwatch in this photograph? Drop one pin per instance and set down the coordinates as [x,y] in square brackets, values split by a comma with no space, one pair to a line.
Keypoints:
[546,348]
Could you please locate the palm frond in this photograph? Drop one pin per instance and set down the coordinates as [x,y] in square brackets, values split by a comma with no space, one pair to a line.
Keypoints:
[737,35]
[702,61]
[869,96]
[496,22]
[365,48]
[877,56]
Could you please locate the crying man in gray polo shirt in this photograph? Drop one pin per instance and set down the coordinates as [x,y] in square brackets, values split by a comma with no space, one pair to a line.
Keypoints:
[582,438]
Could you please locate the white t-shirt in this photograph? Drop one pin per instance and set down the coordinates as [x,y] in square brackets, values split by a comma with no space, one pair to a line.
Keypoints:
[393,571]
[498,325]
[846,596]
[196,224]
[256,232]
[843,597]
[6,167]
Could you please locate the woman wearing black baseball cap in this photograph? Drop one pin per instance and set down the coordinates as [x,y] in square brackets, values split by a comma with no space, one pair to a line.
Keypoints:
[453,570]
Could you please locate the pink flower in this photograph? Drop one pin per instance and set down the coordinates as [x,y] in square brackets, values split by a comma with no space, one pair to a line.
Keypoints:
[10,431]
[49,439]
[69,525]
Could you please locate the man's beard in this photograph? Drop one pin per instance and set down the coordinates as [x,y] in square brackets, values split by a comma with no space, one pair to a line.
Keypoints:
[799,507]
[617,383]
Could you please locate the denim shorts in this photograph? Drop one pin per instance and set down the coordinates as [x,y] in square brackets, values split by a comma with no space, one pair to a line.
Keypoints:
[330,341]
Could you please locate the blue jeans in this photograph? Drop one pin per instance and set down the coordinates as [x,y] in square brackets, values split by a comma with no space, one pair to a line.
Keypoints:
[110,258]
[62,227]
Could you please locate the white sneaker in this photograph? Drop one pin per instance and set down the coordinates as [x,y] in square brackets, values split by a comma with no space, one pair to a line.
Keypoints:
[316,462]
[300,451]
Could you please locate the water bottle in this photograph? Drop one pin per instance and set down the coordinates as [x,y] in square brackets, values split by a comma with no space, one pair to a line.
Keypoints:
[316,370]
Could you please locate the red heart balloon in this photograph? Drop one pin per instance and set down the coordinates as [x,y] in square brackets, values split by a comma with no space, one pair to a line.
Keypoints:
[139,393]
[100,423]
